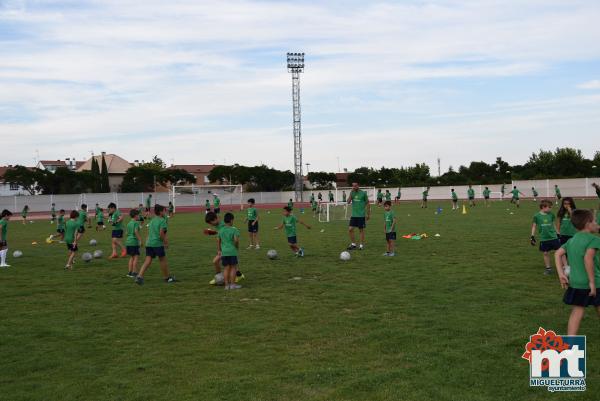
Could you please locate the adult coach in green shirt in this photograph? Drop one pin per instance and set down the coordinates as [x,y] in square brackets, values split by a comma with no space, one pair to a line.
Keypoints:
[361,213]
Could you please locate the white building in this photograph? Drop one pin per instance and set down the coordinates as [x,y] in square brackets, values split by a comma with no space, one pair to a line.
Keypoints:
[7,189]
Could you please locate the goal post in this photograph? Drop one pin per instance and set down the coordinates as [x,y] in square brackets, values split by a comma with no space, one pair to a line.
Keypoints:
[333,211]
[194,196]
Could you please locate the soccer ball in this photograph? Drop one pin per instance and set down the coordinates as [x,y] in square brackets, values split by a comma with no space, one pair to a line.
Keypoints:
[93,242]
[17,254]
[345,256]
[272,254]
[86,257]
[219,279]
[97,254]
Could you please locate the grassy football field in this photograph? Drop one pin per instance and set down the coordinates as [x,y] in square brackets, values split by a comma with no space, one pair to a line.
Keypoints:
[446,319]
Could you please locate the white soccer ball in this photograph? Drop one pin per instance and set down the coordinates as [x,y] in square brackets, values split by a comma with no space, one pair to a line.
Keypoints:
[219,279]
[272,254]
[98,253]
[86,257]
[567,270]
[17,254]
[93,242]
[345,256]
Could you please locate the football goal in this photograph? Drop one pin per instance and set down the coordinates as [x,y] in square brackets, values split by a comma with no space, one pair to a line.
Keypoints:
[193,196]
[331,211]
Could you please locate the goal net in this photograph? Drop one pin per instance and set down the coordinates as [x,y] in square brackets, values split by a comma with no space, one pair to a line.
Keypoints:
[194,196]
[334,212]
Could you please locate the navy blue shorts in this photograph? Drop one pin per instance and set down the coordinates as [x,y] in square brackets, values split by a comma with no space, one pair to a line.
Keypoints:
[100,223]
[81,230]
[358,222]
[133,250]
[471,198]
[580,297]
[564,238]
[217,210]
[292,240]
[486,197]
[117,233]
[3,244]
[229,260]
[252,228]
[60,230]
[551,245]
[155,251]
[390,236]
[72,247]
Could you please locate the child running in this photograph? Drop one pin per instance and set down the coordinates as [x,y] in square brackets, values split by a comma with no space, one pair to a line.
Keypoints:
[252,220]
[535,194]
[543,223]
[133,242]
[156,244]
[289,222]
[582,277]
[515,196]
[228,245]
[389,227]
[82,221]
[52,213]
[116,220]
[557,193]
[24,213]
[100,219]
[60,226]
[71,231]
[4,218]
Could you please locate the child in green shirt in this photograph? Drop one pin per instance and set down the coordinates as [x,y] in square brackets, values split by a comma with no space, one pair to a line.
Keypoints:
[100,219]
[389,227]
[454,199]
[60,227]
[52,213]
[228,245]
[515,196]
[116,220]
[564,227]
[24,213]
[133,242]
[581,277]
[213,220]
[486,196]
[156,244]
[471,196]
[289,222]
[252,220]
[207,206]
[424,201]
[71,231]
[543,223]
[4,218]
[171,209]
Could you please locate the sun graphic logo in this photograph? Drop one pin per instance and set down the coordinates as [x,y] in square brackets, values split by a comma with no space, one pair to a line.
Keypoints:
[556,362]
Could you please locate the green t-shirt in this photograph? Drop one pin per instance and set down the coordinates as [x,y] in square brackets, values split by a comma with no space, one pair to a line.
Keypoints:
[53,211]
[344,197]
[598,192]
[4,225]
[61,222]
[535,192]
[557,191]
[148,202]
[388,196]
[503,189]
[114,219]
[100,217]
[388,217]
[359,202]
[72,226]
[330,197]
[312,198]
[290,204]
[379,195]
[154,228]
[251,213]
[132,227]
[207,204]
[313,204]
[486,193]
[576,249]
[228,235]
[515,194]
[545,226]
[598,217]
[24,212]
[454,196]
[471,193]
[425,194]
[289,223]
[82,218]
[98,211]
[566,227]
[171,207]
[399,194]
[217,202]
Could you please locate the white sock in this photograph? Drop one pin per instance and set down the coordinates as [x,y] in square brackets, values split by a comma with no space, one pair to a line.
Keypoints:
[3,256]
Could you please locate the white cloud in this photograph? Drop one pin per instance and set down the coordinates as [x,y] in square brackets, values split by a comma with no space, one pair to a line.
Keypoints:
[594,84]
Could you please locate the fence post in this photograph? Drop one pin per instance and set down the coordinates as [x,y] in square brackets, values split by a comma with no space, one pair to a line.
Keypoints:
[587,187]
[15,204]
[547,188]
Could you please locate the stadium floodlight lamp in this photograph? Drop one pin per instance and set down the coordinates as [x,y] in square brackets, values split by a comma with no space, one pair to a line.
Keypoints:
[295,62]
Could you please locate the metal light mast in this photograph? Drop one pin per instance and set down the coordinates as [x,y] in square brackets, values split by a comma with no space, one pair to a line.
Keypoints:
[295,65]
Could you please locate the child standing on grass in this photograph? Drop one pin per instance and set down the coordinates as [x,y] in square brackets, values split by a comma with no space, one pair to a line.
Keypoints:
[583,276]
[229,244]
[216,204]
[398,196]
[344,199]
[557,193]
[171,209]
[207,206]
[82,221]
[502,191]
[133,242]
[24,213]
[543,223]
[389,227]
[212,219]
[71,230]
[252,220]
[388,195]
[290,204]
[52,213]
[148,205]
[535,193]
[141,214]
[486,196]
[379,197]
[566,229]
[4,217]
[454,199]
[515,196]
[331,198]
[116,220]
[100,219]
[60,227]
[425,195]
[471,196]
[156,244]
[289,222]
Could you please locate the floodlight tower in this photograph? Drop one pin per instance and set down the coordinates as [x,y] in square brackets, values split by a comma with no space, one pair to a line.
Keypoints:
[295,65]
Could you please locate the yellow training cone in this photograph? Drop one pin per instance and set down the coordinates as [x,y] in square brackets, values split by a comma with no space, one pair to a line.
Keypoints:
[464,210]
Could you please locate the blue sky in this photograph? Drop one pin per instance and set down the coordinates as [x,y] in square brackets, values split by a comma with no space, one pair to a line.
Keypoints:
[387,83]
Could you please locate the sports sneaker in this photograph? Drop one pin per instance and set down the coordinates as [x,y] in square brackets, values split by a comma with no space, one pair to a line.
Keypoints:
[257,246]
[239,278]
[212,282]
[170,279]
[113,256]
[5,265]
[351,247]
[361,247]
[227,287]
[139,280]
[234,286]
[386,254]
[123,253]
[547,271]
[392,254]
[250,247]
[301,252]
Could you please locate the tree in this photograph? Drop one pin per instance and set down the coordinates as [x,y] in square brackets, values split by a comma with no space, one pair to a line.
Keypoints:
[321,179]
[104,182]
[96,175]
[25,177]
[143,178]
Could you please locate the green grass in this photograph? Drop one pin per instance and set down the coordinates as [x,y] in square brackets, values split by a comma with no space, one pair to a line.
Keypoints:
[447,319]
